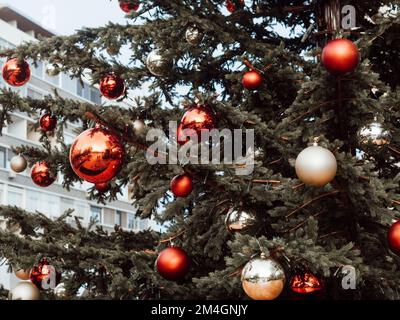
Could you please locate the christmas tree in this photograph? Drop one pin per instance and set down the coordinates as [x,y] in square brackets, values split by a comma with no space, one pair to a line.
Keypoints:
[309,210]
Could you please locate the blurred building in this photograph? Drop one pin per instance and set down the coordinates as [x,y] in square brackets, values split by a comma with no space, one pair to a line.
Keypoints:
[18,189]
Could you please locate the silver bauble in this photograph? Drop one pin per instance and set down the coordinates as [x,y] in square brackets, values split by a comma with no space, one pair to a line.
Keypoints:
[139,126]
[374,134]
[157,64]
[18,164]
[316,166]
[263,279]
[25,291]
[23,274]
[52,70]
[193,35]
[239,220]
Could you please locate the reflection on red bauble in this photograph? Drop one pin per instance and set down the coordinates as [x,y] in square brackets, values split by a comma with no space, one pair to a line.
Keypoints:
[129,7]
[393,237]
[305,283]
[182,185]
[252,80]
[96,155]
[194,120]
[45,276]
[230,5]
[173,263]
[48,122]
[102,187]
[340,56]
[16,73]
[112,86]
[41,174]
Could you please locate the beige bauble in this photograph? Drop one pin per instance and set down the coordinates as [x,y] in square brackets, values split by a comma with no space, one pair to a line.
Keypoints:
[23,274]
[316,166]
[25,291]
[18,164]
[193,35]
[238,220]
[139,126]
[263,279]
[53,70]
[157,64]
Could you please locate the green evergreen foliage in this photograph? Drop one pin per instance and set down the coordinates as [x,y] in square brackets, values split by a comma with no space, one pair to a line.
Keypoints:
[342,223]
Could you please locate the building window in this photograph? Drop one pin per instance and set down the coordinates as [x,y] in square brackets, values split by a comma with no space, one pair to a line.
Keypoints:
[38,70]
[32,201]
[118,218]
[15,197]
[143,224]
[3,158]
[31,93]
[131,222]
[95,214]
[68,83]
[1,193]
[95,96]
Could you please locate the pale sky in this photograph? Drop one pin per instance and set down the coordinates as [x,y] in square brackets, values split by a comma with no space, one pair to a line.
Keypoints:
[65,16]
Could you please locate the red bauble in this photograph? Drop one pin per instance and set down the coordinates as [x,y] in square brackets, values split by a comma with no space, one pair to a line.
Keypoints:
[44,276]
[41,174]
[97,155]
[196,118]
[182,185]
[340,56]
[16,73]
[102,187]
[305,283]
[112,86]
[393,237]
[252,80]
[173,263]
[230,5]
[129,7]
[48,122]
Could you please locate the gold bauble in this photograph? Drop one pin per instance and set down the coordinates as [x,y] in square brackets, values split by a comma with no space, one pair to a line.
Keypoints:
[18,164]
[239,220]
[193,35]
[53,70]
[316,166]
[263,279]
[25,290]
[374,134]
[23,274]
[157,64]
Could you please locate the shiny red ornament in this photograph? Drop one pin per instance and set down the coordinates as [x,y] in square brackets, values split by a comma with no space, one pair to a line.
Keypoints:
[16,73]
[112,86]
[231,7]
[48,122]
[102,187]
[340,56]
[305,283]
[393,237]
[97,155]
[252,80]
[41,174]
[182,185]
[173,263]
[129,7]
[44,276]
[197,118]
